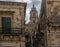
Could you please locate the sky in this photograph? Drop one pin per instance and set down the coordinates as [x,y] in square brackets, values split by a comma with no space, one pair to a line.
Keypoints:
[37,4]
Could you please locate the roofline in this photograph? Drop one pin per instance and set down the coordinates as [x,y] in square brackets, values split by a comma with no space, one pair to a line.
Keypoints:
[25,12]
[42,8]
[14,3]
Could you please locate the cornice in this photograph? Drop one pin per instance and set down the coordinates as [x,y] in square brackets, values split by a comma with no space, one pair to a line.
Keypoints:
[12,3]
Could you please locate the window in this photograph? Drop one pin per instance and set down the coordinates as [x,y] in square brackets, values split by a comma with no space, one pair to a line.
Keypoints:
[33,14]
[33,21]
[6,24]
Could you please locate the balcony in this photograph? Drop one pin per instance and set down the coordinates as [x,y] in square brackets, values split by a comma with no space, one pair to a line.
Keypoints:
[13,31]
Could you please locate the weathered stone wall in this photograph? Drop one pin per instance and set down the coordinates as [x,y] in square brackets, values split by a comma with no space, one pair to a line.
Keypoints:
[16,11]
[17,16]
[53,20]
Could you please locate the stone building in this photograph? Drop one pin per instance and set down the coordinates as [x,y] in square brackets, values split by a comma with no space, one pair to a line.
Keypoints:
[51,12]
[34,19]
[33,25]
[12,16]
[42,25]
[53,23]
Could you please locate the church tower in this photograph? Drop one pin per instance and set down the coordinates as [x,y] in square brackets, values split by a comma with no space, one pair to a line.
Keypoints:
[34,18]
[34,24]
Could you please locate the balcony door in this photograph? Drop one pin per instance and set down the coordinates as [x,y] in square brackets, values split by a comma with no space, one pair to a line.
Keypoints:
[6,24]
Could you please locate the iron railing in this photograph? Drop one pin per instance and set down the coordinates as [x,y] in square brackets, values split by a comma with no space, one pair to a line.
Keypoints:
[12,31]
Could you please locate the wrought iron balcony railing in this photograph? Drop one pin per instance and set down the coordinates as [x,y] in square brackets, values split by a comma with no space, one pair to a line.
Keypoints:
[12,31]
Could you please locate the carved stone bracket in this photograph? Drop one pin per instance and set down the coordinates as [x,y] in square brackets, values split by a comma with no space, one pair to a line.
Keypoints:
[9,38]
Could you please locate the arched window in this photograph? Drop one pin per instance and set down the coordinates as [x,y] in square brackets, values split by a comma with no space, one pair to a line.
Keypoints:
[33,14]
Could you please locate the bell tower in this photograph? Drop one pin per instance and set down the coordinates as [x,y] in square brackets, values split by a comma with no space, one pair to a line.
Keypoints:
[34,24]
[33,18]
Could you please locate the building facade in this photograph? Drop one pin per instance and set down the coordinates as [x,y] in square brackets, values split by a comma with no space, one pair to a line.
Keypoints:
[33,25]
[12,16]
[34,18]
[42,25]
[51,12]
[53,23]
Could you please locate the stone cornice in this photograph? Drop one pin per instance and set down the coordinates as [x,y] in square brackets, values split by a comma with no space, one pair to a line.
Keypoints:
[12,3]
[6,3]
[12,38]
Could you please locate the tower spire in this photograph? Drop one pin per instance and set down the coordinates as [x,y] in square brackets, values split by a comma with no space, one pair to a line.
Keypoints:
[33,4]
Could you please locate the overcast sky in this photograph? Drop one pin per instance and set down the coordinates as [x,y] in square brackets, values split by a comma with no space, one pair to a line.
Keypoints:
[37,4]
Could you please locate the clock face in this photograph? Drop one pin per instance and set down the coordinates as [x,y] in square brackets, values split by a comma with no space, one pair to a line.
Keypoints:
[6,24]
